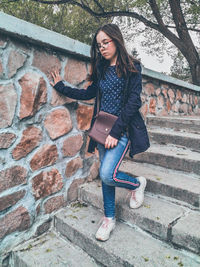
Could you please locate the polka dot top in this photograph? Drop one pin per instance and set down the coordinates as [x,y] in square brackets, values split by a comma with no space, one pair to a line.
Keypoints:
[111,89]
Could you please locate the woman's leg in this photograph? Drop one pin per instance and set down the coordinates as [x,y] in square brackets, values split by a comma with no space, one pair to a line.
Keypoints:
[112,177]
[108,222]
[109,167]
[107,190]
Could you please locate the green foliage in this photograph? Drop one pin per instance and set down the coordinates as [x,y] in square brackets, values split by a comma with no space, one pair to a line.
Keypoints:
[65,19]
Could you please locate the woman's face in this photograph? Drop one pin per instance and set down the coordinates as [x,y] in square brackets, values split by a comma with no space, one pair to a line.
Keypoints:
[107,47]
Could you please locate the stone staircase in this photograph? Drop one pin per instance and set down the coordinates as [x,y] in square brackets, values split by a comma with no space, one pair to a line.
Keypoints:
[165,231]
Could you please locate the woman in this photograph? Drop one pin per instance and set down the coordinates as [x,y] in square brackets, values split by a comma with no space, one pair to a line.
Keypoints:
[118,78]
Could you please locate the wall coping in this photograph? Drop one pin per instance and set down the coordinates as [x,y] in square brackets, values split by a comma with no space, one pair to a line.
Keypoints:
[36,34]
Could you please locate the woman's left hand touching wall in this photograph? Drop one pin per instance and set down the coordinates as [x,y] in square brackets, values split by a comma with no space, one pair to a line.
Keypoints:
[56,77]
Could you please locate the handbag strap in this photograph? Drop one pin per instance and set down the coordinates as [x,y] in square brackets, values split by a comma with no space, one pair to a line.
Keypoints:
[98,102]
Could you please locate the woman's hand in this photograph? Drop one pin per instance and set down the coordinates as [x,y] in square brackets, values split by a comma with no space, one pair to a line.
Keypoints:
[110,142]
[56,77]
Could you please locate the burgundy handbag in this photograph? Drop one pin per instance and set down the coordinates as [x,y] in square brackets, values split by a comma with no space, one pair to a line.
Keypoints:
[102,126]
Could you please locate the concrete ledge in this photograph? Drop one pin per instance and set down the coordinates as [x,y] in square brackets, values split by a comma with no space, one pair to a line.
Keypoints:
[33,33]
[168,79]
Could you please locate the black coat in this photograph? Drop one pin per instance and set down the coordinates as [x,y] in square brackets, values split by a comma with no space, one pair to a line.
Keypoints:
[130,119]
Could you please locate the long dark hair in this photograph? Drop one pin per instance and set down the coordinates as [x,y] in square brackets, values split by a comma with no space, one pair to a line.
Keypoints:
[125,62]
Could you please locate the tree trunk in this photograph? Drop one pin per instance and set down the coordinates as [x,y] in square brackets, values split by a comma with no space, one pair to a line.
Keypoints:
[195,72]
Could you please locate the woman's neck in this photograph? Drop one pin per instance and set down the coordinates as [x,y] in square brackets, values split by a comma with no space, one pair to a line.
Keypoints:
[113,61]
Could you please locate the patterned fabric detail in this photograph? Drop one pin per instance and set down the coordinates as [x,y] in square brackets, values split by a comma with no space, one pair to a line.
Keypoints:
[111,89]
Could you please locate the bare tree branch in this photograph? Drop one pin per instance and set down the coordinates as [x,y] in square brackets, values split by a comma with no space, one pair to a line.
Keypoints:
[188,28]
[99,5]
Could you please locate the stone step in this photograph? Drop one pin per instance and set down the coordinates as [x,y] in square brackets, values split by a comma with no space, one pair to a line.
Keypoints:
[190,124]
[162,181]
[157,216]
[171,157]
[127,246]
[49,250]
[169,136]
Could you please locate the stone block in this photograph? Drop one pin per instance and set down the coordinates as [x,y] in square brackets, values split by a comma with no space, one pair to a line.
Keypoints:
[72,193]
[45,156]
[160,101]
[152,106]
[149,89]
[184,99]
[178,95]
[183,108]
[6,140]
[31,138]
[10,200]
[54,204]
[144,109]
[186,232]
[164,92]
[196,100]
[43,228]
[72,145]
[175,106]
[46,63]
[171,95]
[17,220]
[58,123]
[59,99]
[158,91]
[73,166]
[94,171]
[15,61]
[163,112]
[34,94]
[75,71]
[46,183]
[84,116]
[8,102]
[168,104]
[11,177]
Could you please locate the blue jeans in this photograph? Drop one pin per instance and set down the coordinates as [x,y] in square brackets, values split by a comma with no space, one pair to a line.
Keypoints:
[110,160]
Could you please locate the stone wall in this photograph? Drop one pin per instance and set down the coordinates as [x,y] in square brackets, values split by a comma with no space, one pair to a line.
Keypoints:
[43,142]
[168,97]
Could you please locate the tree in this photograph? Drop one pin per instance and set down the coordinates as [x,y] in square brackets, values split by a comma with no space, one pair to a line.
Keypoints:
[64,19]
[180,68]
[173,19]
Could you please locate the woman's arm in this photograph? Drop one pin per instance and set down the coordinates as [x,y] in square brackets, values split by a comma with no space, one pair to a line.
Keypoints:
[75,93]
[132,106]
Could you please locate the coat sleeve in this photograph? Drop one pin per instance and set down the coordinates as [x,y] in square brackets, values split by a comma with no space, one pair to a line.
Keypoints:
[131,107]
[75,93]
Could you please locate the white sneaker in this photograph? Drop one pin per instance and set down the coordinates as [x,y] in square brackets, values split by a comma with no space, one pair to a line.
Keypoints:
[103,233]
[137,195]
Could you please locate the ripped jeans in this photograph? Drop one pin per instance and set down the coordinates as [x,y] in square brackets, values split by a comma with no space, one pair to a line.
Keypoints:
[110,160]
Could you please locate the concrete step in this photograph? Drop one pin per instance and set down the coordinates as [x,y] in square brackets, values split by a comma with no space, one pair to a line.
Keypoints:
[163,181]
[49,250]
[190,124]
[168,136]
[157,216]
[127,246]
[171,157]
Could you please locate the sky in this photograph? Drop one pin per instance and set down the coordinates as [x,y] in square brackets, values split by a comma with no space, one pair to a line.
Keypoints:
[151,62]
